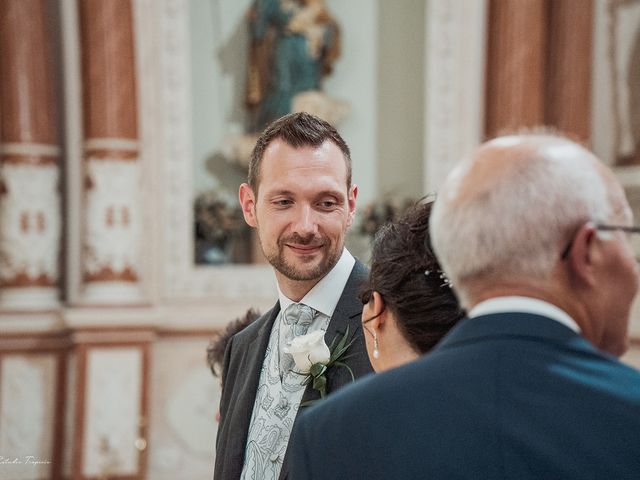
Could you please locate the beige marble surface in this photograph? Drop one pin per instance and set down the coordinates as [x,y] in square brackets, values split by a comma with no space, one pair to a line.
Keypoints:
[184,400]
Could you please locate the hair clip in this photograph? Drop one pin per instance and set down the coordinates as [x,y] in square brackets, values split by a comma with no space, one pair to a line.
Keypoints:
[445,279]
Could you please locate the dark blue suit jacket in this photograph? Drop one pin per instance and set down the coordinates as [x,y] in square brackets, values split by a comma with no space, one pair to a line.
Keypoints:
[510,395]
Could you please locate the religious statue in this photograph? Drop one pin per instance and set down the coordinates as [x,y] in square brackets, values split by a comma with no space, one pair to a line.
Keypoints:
[293,45]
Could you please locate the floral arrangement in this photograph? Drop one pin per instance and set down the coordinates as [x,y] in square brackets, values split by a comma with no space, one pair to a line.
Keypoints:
[217,220]
[313,358]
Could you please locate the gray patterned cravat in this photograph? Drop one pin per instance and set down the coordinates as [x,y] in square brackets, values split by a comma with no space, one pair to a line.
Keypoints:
[296,320]
[278,398]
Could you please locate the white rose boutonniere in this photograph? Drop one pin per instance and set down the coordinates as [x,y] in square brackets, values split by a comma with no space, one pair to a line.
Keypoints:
[309,349]
[313,357]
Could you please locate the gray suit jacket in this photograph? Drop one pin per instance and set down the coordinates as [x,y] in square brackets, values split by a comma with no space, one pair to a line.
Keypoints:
[243,361]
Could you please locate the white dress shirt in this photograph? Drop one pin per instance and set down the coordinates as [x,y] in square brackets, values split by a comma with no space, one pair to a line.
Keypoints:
[325,294]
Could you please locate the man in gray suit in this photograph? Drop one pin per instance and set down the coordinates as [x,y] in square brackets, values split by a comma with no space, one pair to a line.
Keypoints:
[300,198]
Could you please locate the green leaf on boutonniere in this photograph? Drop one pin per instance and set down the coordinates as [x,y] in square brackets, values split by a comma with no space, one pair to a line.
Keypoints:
[338,352]
[317,376]
[320,384]
[317,369]
[342,364]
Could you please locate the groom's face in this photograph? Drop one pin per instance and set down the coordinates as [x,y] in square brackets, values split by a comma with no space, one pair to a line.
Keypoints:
[302,208]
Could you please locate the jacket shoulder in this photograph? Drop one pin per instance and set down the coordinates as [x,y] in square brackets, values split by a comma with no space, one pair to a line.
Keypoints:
[251,330]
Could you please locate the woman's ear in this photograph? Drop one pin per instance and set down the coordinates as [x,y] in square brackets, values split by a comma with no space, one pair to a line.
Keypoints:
[378,312]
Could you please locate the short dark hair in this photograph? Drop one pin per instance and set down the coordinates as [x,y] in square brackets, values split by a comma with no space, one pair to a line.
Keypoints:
[298,130]
[218,345]
[406,273]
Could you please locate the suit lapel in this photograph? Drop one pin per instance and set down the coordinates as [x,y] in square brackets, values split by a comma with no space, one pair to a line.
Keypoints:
[251,366]
[347,309]
[257,347]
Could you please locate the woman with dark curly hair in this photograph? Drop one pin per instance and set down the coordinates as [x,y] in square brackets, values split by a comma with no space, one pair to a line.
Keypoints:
[408,303]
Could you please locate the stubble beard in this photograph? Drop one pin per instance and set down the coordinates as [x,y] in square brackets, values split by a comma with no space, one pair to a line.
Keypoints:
[293,272]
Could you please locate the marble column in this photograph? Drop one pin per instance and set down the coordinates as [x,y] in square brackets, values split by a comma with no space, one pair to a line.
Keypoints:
[112,207]
[539,66]
[568,103]
[516,65]
[30,221]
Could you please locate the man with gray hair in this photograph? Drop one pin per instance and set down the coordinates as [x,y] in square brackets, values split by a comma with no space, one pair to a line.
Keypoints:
[532,232]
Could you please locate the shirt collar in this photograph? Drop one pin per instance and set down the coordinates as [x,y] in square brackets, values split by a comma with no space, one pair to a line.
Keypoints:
[525,305]
[325,294]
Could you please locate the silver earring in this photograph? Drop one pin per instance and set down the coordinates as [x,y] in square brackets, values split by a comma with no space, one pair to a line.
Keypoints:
[376,351]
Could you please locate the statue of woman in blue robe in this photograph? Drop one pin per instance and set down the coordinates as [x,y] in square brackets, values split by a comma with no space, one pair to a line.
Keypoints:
[294,43]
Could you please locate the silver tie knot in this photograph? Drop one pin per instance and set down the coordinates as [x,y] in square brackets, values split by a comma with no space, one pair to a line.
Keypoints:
[296,321]
[298,316]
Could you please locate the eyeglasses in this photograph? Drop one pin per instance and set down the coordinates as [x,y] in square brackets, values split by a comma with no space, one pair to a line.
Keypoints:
[632,229]
[604,228]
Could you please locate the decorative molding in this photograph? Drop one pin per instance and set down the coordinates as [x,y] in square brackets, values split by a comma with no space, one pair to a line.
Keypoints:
[454,89]
[112,415]
[177,145]
[112,242]
[32,299]
[70,414]
[30,340]
[31,224]
[182,279]
[146,15]
[73,140]
[111,144]
[30,233]
[29,149]
[114,336]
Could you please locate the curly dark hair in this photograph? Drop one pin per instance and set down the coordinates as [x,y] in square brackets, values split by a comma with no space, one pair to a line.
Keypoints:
[406,273]
[217,345]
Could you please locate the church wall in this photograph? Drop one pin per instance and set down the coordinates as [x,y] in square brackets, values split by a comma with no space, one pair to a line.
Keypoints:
[354,79]
[400,99]
[184,399]
[218,53]
[615,31]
